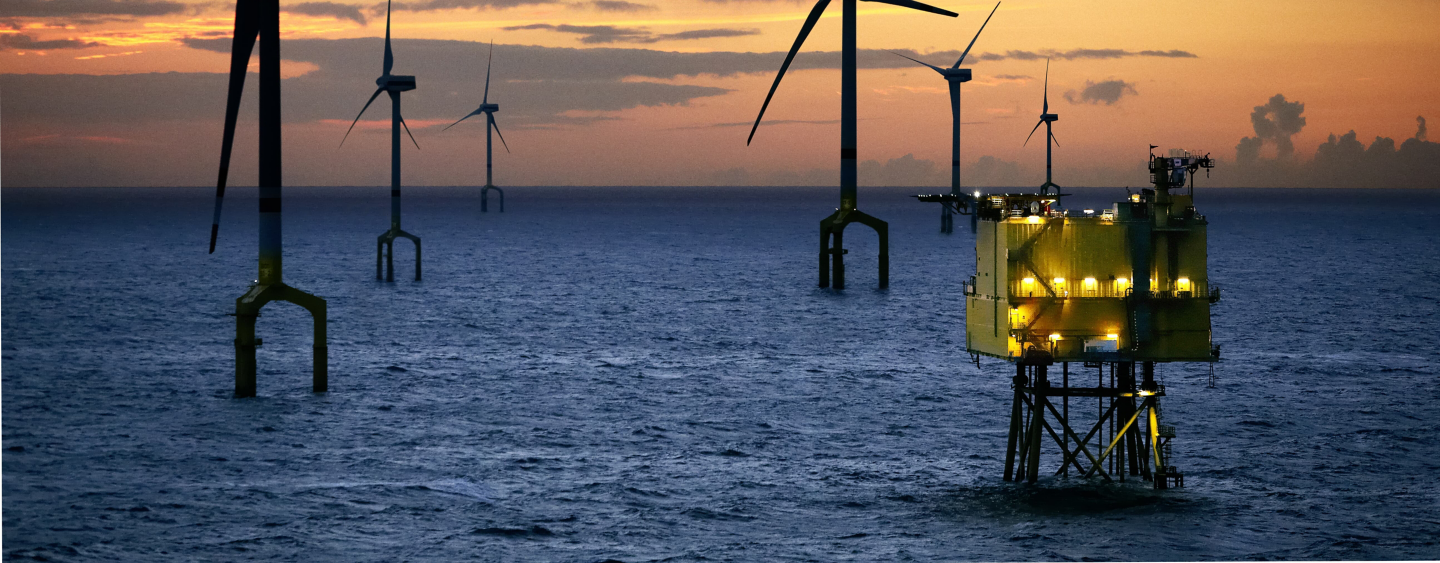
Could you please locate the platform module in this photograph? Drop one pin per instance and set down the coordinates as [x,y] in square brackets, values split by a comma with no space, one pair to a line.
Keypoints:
[1122,287]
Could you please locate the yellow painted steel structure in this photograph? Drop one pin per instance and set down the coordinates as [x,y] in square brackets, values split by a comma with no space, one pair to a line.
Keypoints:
[1126,284]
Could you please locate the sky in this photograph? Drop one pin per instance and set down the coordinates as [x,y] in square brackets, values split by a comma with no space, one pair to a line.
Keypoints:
[663,92]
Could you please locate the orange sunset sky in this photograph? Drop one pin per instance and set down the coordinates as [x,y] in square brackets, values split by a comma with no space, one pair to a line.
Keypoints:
[662,92]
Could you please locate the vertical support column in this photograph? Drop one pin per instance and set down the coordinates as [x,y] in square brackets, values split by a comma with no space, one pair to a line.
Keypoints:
[1019,382]
[1037,421]
[244,352]
[848,169]
[390,259]
[825,252]
[394,165]
[417,258]
[882,229]
[321,375]
[838,261]
[489,161]
[1065,409]
[380,258]
[1123,412]
[269,178]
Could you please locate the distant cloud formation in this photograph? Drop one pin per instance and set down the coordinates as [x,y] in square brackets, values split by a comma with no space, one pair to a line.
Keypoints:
[73,8]
[603,34]
[436,5]
[1274,122]
[1082,54]
[23,42]
[620,6]
[1340,162]
[327,9]
[1107,92]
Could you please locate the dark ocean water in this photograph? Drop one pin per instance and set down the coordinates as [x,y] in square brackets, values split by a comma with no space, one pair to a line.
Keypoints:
[649,374]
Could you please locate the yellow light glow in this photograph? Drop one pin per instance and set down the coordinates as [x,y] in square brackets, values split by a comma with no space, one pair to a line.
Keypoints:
[1055,336]
[1135,198]
[1146,393]
[1112,336]
[1059,281]
[1090,284]
[1033,220]
[1182,284]
[1027,282]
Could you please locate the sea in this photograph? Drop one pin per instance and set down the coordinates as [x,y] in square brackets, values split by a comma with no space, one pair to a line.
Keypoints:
[652,374]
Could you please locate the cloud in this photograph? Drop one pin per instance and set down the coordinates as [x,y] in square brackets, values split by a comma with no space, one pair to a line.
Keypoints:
[70,8]
[20,41]
[1275,121]
[328,9]
[601,34]
[553,84]
[1073,54]
[620,6]
[1342,161]
[435,5]
[1017,77]
[1107,92]
[592,34]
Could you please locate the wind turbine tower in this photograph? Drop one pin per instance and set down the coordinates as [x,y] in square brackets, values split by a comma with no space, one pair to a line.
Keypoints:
[262,18]
[955,76]
[1046,118]
[489,110]
[834,225]
[392,84]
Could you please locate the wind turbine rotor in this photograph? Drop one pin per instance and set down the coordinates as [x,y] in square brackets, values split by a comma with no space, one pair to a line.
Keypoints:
[247,27]
[362,112]
[389,56]
[977,35]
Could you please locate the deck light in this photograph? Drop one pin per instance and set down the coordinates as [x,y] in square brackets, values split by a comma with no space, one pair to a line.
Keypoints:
[1112,336]
[1089,284]
[1055,336]
[1182,284]
[1033,220]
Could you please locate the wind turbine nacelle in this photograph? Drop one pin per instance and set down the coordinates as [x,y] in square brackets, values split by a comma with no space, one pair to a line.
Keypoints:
[957,74]
[1049,117]
[489,107]
[396,83]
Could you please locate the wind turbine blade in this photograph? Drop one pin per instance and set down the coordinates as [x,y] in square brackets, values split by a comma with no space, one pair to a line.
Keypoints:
[486,99]
[497,132]
[407,132]
[362,112]
[912,4]
[1032,132]
[471,114]
[799,40]
[977,36]
[389,56]
[1047,87]
[1052,138]
[937,69]
[247,26]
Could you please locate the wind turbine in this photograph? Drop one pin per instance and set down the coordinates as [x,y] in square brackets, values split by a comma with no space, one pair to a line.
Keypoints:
[955,76]
[392,84]
[1046,118]
[262,18]
[489,110]
[847,213]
